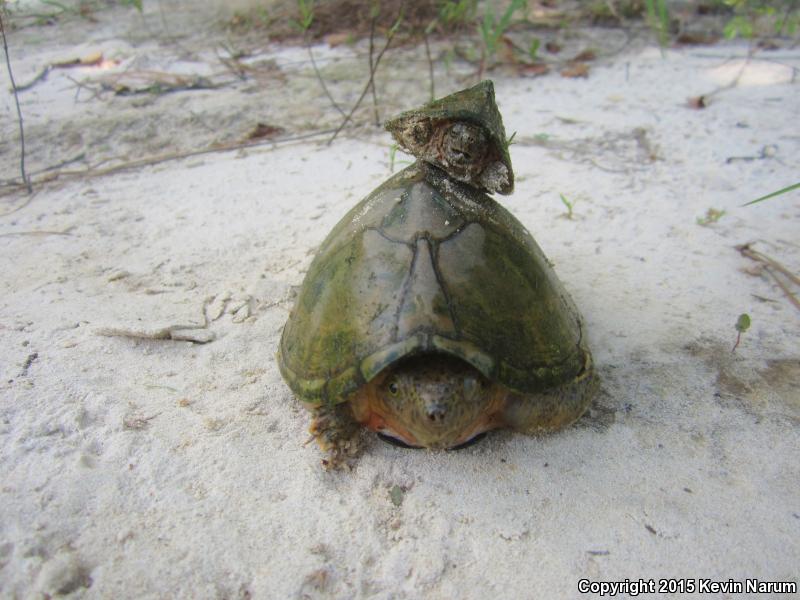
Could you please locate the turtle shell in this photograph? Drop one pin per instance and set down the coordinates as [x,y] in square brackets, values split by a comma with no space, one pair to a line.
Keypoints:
[427,264]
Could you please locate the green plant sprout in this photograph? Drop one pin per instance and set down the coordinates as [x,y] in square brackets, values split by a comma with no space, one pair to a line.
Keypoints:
[712,216]
[306,9]
[773,194]
[569,206]
[533,49]
[492,29]
[396,495]
[743,24]
[392,158]
[454,13]
[137,4]
[658,19]
[742,325]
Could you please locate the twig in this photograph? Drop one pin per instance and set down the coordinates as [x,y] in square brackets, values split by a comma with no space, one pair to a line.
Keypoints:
[430,65]
[784,288]
[751,50]
[153,160]
[613,10]
[63,163]
[747,251]
[771,265]
[95,92]
[319,76]
[232,64]
[40,76]
[21,206]
[35,233]
[186,332]
[25,179]
[373,68]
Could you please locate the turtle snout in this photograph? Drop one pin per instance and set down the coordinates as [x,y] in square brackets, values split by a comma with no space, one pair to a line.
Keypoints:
[435,413]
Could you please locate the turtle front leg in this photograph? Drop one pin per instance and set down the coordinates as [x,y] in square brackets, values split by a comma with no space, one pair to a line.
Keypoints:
[550,410]
[336,432]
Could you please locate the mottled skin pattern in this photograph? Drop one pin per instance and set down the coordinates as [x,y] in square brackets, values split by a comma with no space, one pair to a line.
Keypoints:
[430,315]
[422,132]
[459,147]
[432,401]
[440,402]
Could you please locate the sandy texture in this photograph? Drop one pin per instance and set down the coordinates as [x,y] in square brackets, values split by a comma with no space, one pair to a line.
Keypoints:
[156,468]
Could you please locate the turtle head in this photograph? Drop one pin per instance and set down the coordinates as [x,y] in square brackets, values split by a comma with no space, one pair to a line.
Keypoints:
[439,400]
[463,135]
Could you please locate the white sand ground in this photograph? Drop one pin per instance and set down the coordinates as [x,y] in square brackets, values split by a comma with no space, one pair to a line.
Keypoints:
[142,468]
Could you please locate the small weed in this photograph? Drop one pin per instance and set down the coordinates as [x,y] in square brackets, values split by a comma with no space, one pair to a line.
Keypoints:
[658,18]
[392,158]
[396,495]
[742,325]
[738,26]
[712,216]
[306,10]
[60,6]
[785,15]
[533,49]
[454,14]
[492,29]
[569,206]
[137,4]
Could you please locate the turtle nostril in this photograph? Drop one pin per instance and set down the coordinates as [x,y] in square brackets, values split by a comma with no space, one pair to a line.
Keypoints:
[436,414]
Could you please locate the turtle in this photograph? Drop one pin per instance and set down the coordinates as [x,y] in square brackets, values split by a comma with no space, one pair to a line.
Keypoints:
[429,313]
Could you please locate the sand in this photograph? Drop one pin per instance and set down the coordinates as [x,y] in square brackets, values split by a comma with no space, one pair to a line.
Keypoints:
[177,467]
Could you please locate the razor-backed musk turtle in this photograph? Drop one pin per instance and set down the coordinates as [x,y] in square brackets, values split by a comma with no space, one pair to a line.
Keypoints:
[429,314]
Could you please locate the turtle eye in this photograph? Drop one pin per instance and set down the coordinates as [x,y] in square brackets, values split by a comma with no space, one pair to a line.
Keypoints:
[472,386]
[393,388]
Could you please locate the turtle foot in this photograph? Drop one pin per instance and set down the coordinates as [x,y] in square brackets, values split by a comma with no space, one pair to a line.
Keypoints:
[337,435]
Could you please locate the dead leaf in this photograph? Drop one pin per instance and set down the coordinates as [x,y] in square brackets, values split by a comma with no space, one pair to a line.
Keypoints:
[576,70]
[263,131]
[696,39]
[337,39]
[506,52]
[767,45]
[534,70]
[585,56]
[552,47]
[698,102]
[95,58]
[90,60]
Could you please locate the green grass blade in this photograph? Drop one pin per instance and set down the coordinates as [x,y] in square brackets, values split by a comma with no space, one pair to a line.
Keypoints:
[773,194]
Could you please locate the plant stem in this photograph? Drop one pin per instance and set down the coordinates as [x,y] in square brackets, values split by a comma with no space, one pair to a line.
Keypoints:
[430,65]
[25,179]
[738,338]
[372,69]
[371,82]
[319,75]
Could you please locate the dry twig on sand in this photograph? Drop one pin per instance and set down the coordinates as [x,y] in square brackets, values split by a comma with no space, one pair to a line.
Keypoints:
[25,180]
[319,76]
[780,274]
[161,158]
[373,66]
